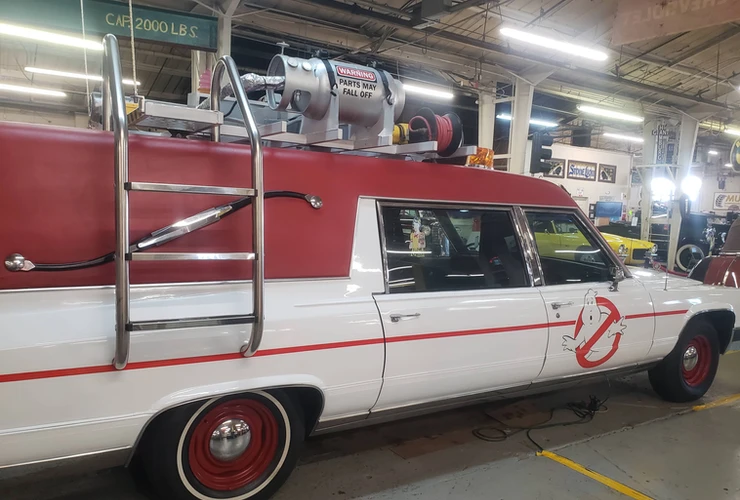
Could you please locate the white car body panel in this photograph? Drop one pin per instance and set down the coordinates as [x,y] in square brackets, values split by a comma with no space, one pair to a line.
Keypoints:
[462,343]
[62,397]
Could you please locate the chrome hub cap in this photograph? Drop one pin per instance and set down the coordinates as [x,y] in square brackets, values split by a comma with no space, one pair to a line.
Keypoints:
[690,358]
[230,440]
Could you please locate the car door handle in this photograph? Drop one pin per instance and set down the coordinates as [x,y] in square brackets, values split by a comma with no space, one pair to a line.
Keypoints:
[558,305]
[395,318]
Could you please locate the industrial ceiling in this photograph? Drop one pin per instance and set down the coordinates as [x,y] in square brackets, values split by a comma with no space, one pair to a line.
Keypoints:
[462,47]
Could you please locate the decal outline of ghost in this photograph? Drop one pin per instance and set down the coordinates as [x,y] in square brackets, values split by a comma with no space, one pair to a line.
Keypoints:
[598,317]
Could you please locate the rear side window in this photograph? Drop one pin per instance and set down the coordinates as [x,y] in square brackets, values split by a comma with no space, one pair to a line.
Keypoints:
[568,253]
[442,249]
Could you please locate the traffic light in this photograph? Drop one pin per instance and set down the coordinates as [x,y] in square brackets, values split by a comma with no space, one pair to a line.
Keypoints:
[541,152]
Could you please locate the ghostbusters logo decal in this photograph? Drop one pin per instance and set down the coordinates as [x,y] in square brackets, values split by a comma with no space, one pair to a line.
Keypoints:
[599,327]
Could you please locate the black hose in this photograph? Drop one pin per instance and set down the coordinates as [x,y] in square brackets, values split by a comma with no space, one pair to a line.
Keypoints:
[110,257]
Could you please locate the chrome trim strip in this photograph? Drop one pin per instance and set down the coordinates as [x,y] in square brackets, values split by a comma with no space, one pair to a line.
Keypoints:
[383,252]
[86,462]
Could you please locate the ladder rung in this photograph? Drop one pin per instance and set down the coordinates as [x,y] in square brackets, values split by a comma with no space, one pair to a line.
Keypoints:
[190,256]
[188,188]
[206,321]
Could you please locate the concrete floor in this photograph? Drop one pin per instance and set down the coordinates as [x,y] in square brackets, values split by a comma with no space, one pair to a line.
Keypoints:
[661,450]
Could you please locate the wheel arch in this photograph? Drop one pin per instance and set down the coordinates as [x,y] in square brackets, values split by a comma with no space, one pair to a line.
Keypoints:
[721,318]
[308,396]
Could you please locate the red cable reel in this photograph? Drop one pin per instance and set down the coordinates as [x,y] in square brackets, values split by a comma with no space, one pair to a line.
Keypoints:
[447,130]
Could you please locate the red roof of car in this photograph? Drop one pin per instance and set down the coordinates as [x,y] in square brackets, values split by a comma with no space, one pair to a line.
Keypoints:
[57,194]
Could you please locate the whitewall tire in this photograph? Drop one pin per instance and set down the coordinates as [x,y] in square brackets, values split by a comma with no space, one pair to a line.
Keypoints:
[239,447]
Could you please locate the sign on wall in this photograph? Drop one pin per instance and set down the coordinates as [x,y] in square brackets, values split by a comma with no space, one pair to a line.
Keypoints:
[727,201]
[581,170]
[104,16]
[645,19]
[557,170]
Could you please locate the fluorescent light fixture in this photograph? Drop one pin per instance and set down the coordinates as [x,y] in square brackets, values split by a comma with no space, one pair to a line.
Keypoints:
[713,152]
[630,138]
[732,131]
[49,37]
[78,76]
[426,91]
[552,44]
[31,90]
[532,121]
[610,113]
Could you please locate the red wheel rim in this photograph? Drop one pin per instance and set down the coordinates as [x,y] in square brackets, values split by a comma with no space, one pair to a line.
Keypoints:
[249,466]
[697,360]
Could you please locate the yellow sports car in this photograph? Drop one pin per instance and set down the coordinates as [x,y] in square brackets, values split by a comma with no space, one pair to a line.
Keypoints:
[551,235]
[635,252]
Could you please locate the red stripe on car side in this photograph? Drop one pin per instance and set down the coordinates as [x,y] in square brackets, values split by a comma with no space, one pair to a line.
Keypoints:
[465,333]
[161,363]
[652,315]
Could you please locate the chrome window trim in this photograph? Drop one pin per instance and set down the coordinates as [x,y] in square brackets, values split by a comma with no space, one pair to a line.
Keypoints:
[588,228]
[531,255]
[499,207]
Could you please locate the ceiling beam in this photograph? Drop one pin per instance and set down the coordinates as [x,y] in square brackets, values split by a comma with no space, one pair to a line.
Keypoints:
[508,51]
[698,49]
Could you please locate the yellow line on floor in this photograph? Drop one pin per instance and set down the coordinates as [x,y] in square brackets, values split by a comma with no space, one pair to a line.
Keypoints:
[720,402]
[616,486]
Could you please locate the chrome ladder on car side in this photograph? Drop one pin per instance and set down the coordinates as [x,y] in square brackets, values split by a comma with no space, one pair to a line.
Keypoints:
[115,119]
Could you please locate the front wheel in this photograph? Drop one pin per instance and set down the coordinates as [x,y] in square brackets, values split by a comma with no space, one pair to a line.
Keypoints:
[231,448]
[688,371]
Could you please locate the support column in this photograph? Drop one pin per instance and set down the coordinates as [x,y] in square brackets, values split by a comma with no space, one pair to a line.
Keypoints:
[519,130]
[224,26]
[197,67]
[686,145]
[486,119]
[648,158]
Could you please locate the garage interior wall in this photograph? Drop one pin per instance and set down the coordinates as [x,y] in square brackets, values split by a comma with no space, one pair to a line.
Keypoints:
[709,186]
[68,119]
[593,190]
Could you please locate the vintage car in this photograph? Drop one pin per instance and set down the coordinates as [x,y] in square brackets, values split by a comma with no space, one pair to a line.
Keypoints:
[722,269]
[392,288]
[636,252]
[565,235]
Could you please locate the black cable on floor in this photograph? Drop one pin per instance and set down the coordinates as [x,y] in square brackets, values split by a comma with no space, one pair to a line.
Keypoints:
[585,411]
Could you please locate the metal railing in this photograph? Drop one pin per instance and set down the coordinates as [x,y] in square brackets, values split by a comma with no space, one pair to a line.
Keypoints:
[115,119]
[227,64]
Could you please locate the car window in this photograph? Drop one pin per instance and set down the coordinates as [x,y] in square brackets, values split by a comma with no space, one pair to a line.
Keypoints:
[439,249]
[571,254]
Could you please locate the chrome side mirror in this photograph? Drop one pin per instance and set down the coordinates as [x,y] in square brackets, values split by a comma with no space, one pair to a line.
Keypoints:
[617,276]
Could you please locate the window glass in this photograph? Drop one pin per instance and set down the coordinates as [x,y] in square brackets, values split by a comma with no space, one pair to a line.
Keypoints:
[437,249]
[567,252]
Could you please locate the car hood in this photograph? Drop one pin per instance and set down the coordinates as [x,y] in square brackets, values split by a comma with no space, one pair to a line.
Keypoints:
[652,278]
[630,242]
